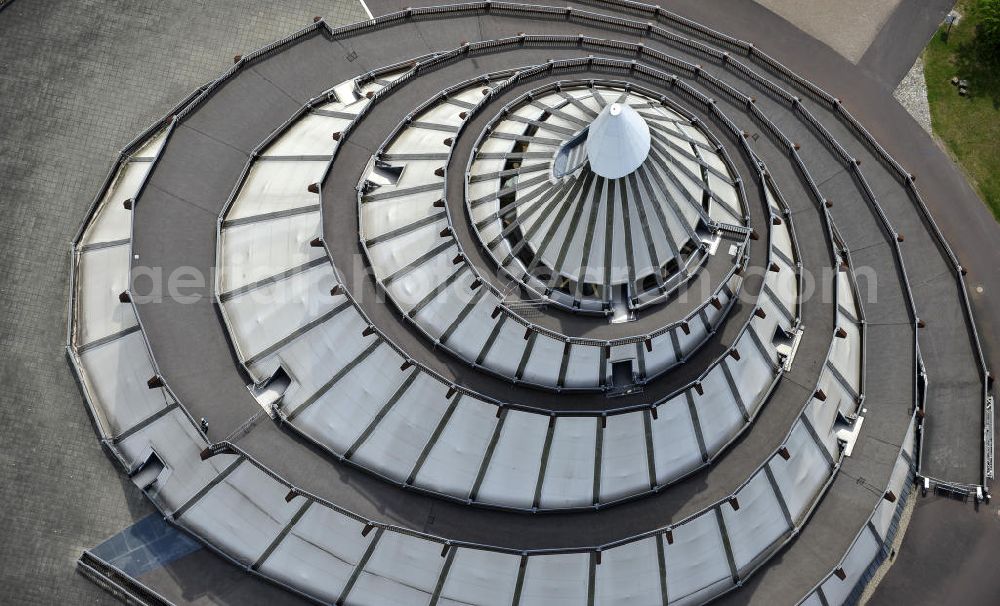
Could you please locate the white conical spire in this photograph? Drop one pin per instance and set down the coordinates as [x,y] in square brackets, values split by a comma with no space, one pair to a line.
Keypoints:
[617,142]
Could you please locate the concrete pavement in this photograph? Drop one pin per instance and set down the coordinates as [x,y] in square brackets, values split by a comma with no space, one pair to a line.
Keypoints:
[78,81]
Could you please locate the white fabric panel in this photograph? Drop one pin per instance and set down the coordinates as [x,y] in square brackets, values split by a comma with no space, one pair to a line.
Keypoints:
[662,190]
[513,470]
[243,514]
[316,355]
[390,256]
[654,204]
[441,311]
[662,357]
[274,186]
[621,353]
[696,563]
[726,193]
[453,462]
[493,145]
[801,477]
[341,414]
[489,231]
[115,376]
[375,86]
[784,283]
[507,349]
[882,518]
[418,172]
[561,235]
[781,239]
[752,373]
[582,367]
[694,132]
[718,409]
[675,443]
[312,134]
[858,559]
[587,99]
[468,337]
[569,472]
[715,161]
[545,360]
[178,445]
[845,293]
[758,523]
[812,600]
[766,328]
[698,335]
[403,571]
[529,212]
[629,575]
[411,288]
[619,261]
[735,282]
[255,251]
[528,111]
[382,216]
[346,94]
[319,553]
[261,317]
[595,263]
[469,95]
[693,184]
[483,167]
[481,577]
[822,416]
[102,276]
[400,437]
[640,253]
[152,147]
[442,113]
[909,441]
[556,121]
[845,354]
[836,392]
[689,214]
[556,580]
[624,470]
[420,140]
[111,221]
[772,201]
[714,315]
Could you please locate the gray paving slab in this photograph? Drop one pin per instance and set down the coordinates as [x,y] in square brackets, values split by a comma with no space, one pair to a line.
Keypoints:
[902,38]
[79,81]
[848,27]
[948,555]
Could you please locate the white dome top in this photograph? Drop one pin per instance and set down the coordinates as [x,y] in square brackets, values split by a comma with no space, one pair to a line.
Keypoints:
[617,142]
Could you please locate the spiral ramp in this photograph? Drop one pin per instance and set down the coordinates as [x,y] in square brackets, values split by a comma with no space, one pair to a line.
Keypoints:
[446,361]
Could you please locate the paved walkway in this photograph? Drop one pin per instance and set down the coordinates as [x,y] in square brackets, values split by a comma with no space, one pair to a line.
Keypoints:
[79,80]
[847,26]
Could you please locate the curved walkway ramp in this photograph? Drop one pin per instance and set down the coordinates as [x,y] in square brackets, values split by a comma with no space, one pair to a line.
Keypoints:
[444,362]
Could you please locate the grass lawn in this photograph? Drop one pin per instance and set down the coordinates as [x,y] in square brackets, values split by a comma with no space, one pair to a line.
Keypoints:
[969,126]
